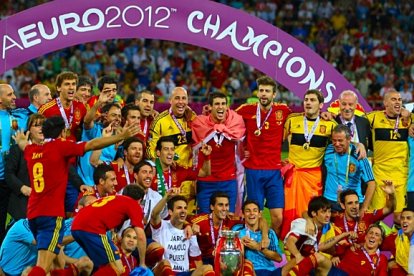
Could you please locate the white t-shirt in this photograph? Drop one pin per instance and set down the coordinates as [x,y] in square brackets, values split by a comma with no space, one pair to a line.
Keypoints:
[151,198]
[176,248]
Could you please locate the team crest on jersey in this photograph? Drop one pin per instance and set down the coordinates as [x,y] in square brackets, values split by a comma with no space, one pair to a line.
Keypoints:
[77,114]
[352,168]
[174,177]
[279,115]
[322,129]
[362,226]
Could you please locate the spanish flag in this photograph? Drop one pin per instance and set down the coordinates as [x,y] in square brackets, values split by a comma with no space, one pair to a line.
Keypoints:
[334,108]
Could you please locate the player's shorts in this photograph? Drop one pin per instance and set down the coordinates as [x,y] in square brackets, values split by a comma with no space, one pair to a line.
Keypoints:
[48,232]
[267,184]
[185,273]
[263,272]
[71,197]
[206,188]
[379,198]
[100,249]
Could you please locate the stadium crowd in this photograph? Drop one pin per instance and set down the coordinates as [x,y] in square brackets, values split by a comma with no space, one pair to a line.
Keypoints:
[100,182]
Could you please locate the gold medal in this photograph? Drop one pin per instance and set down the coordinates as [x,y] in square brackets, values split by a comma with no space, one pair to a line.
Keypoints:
[67,132]
[257,132]
[306,146]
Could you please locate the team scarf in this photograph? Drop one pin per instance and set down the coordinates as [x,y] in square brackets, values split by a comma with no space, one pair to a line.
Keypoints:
[402,246]
[160,177]
[204,129]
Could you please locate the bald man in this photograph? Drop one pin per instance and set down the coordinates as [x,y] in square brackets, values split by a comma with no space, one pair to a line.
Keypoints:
[175,123]
[39,94]
[10,121]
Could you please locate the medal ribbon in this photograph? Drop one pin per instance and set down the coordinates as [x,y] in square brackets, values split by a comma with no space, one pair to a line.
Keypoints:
[127,261]
[347,170]
[397,122]
[213,237]
[308,136]
[97,195]
[347,228]
[258,117]
[374,266]
[68,123]
[218,138]
[128,181]
[177,123]
[145,130]
[161,179]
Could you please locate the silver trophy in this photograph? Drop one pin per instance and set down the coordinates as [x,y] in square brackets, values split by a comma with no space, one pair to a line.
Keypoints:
[230,254]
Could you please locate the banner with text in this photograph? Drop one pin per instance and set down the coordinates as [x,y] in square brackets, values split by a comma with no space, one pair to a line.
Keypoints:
[60,24]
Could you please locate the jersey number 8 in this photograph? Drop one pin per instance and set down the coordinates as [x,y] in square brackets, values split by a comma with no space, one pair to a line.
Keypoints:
[38,180]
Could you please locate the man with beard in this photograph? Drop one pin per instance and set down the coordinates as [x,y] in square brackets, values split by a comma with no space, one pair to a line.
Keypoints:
[263,145]
[353,220]
[66,106]
[344,170]
[222,130]
[178,249]
[133,151]
[145,101]
[107,127]
[390,133]
[367,259]
[143,175]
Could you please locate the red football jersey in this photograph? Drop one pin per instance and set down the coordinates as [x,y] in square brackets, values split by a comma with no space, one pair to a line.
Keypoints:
[121,178]
[205,239]
[265,149]
[107,213]
[145,127]
[356,263]
[178,176]
[223,161]
[48,166]
[79,111]
[363,224]
[129,263]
